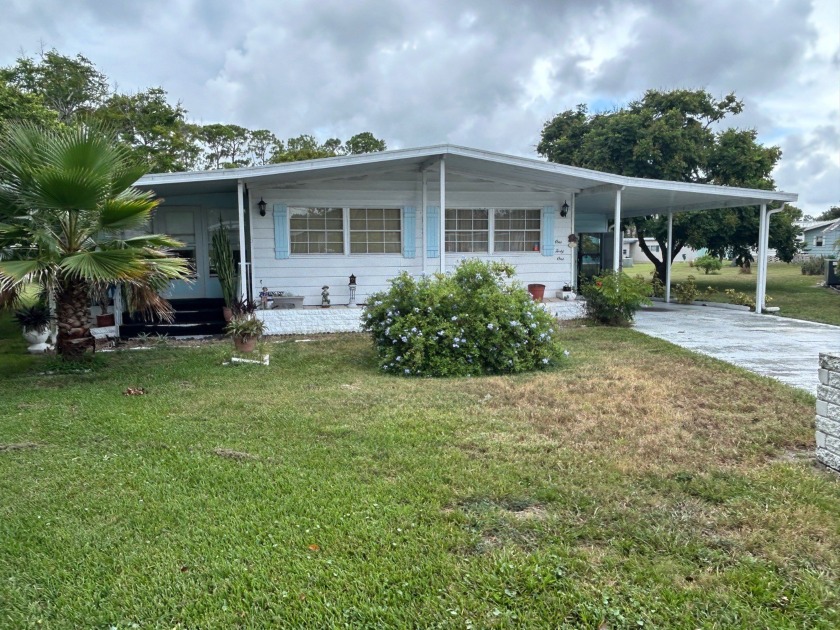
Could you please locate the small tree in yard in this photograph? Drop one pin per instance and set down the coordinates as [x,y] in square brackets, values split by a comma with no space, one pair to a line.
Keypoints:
[708,263]
[472,322]
[66,203]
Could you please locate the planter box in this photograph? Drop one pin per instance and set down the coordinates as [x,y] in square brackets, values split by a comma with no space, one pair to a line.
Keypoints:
[287,301]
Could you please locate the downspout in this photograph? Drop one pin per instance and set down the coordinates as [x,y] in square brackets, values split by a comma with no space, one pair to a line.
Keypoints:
[668,257]
[442,214]
[243,275]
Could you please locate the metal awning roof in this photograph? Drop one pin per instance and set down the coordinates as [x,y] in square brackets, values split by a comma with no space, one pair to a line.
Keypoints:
[595,190]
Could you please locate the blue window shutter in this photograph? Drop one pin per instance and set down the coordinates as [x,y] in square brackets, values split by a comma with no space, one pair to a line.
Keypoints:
[547,227]
[281,230]
[409,231]
[433,229]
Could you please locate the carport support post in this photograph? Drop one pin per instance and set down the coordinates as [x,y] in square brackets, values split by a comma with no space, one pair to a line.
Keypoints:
[759,281]
[617,233]
[442,248]
[425,222]
[667,256]
[243,275]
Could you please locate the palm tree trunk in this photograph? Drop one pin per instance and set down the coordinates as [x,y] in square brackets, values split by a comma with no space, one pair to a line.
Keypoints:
[74,336]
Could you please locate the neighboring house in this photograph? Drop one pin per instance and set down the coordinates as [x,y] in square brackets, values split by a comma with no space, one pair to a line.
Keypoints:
[634,252]
[301,225]
[820,238]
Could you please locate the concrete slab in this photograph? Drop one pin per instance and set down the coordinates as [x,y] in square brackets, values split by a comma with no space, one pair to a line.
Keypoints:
[781,348]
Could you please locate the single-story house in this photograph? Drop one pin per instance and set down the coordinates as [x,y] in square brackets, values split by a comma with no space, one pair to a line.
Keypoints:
[820,238]
[632,251]
[299,226]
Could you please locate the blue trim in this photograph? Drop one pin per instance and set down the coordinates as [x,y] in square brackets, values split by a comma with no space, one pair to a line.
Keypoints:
[409,232]
[547,227]
[281,231]
[433,229]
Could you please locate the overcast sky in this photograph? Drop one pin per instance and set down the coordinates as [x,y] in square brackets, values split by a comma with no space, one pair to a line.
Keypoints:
[484,73]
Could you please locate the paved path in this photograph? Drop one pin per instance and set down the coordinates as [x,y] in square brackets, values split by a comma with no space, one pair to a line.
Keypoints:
[784,349]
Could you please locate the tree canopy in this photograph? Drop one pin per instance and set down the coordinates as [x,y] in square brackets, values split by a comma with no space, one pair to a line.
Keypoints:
[54,89]
[679,136]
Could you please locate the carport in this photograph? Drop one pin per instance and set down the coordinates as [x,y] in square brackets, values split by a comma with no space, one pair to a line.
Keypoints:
[634,197]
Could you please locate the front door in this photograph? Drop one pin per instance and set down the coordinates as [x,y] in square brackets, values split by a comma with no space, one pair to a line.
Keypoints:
[590,256]
[184,223]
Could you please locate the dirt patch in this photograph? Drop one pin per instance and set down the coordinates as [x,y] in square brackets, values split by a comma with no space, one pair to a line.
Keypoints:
[21,446]
[236,455]
[533,512]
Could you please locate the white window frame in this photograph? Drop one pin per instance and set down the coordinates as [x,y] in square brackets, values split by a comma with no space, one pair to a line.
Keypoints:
[491,229]
[819,240]
[349,230]
[345,229]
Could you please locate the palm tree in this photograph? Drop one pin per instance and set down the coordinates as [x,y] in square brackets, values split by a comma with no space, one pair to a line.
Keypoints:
[71,221]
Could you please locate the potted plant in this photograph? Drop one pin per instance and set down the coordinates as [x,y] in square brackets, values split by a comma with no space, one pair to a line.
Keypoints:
[243,308]
[221,260]
[245,330]
[102,295]
[567,293]
[35,321]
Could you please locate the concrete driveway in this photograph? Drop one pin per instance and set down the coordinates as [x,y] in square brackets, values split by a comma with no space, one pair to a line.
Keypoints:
[784,349]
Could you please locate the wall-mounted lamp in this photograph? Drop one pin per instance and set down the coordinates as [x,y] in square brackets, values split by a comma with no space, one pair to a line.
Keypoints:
[564,210]
[261,205]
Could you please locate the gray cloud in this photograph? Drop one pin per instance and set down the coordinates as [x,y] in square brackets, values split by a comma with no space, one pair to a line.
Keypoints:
[481,73]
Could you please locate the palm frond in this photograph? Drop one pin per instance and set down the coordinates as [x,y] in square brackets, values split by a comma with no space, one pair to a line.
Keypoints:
[104,266]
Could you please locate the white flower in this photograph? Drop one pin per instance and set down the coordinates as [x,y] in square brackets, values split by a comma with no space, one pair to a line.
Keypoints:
[454,318]
[489,326]
[407,371]
[404,339]
[545,360]
[416,310]
[565,353]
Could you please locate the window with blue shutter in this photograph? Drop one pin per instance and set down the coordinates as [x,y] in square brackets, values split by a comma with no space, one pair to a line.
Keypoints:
[281,231]
[433,231]
[409,231]
[547,228]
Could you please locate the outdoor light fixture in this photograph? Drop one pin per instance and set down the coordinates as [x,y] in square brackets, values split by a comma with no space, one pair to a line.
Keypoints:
[352,285]
[261,206]
[564,210]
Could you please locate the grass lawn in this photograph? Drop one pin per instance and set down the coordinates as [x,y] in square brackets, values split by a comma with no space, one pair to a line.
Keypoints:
[796,295]
[638,486]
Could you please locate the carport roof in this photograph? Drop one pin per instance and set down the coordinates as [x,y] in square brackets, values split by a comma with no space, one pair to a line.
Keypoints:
[595,189]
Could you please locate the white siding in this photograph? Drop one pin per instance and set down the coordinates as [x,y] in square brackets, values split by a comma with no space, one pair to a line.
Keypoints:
[305,274]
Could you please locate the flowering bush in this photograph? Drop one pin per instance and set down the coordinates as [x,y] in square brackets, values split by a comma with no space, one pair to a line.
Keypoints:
[468,323]
[613,298]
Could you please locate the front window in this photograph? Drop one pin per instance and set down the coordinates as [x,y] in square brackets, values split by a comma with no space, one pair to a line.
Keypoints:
[517,231]
[818,241]
[375,231]
[316,230]
[467,229]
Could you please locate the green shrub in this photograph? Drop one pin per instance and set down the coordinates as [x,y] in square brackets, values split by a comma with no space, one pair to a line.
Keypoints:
[708,263]
[686,292]
[814,266]
[471,322]
[657,287]
[741,298]
[613,298]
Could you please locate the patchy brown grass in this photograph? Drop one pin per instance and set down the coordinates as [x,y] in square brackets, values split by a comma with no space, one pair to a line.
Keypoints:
[660,408]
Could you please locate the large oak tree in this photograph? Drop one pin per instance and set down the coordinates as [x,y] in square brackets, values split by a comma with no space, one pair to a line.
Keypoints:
[678,135]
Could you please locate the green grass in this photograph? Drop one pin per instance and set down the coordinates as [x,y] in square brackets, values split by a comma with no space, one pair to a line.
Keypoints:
[639,485]
[796,295]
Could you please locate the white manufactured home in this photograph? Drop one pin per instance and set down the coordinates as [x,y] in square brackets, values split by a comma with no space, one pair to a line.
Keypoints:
[299,226]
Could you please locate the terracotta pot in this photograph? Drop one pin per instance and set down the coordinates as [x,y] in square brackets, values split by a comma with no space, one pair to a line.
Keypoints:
[245,344]
[537,291]
[105,320]
[227,313]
